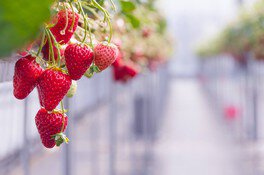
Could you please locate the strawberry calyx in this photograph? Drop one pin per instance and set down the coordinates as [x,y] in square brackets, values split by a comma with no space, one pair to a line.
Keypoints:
[105,43]
[90,72]
[58,111]
[56,68]
[60,138]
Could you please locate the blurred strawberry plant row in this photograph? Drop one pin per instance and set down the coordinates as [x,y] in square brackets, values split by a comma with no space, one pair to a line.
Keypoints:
[243,35]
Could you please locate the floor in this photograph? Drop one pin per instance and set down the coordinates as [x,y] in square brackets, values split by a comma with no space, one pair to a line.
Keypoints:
[193,140]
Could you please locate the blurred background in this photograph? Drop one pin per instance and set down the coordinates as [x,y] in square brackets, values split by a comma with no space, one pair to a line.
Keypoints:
[192,116]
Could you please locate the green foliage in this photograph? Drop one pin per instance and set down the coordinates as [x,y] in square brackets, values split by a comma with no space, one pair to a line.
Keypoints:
[20,21]
[134,21]
[127,6]
[245,34]
[127,9]
[162,26]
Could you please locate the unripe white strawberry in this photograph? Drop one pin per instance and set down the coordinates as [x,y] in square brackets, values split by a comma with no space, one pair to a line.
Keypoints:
[73,89]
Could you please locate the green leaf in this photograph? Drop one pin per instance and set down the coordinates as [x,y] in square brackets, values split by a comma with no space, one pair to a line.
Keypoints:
[127,6]
[135,22]
[162,25]
[20,22]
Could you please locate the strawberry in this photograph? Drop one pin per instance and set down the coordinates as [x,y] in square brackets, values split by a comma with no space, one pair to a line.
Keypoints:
[52,86]
[50,125]
[146,32]
[66,25]
[118,73]
[72,90]
[78,59]
[105,55]
[45,52]
[27,72]
[124,73]
[131,71]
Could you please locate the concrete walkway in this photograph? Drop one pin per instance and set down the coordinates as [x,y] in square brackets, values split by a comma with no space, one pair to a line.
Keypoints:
[193,140]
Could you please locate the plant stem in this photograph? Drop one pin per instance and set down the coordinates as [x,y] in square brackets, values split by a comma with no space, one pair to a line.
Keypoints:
[73,20]
[63,116]
[113,4]
[57,47]
[91,10]
[51,52]
[106,17]
[90,35]
[85,21]
[67,20]
[111,30]
[41,44]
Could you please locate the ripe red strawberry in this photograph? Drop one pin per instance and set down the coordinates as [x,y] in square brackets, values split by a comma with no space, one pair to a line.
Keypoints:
[52,86]
[78,59]
[45,52]
[118,73]
[105,55]
[27,72]
[49,126]
[124,73]
[63,29]
[131,71]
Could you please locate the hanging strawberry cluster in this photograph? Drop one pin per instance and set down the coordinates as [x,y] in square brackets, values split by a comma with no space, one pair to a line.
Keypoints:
[76,42]
[67,50]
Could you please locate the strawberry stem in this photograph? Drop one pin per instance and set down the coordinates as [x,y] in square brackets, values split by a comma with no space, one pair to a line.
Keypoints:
[62,32]
[63,117]
[90,35]
[51,52]
[73,20]
[90,9]
[113,4]
[41,44]
[106,18]
[56,44]
[84,21]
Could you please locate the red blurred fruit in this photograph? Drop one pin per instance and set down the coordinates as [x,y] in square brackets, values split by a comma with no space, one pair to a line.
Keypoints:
[64,29]
[124,73]
[231,112]
[118,62]
[146,32]
[45,52]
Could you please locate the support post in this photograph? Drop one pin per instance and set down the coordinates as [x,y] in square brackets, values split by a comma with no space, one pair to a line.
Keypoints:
[112,129]
[25,151]
[67,148]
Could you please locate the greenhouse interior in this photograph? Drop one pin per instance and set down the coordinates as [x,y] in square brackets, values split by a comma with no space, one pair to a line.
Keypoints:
[132,87]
